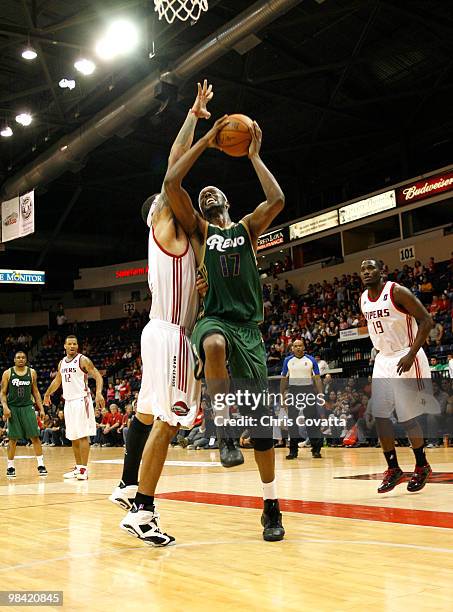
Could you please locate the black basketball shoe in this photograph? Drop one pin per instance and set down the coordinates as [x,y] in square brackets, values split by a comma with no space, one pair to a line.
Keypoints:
[419,478]
[11,472]
[271,520]
[230,455]
[42,470]
[392,477]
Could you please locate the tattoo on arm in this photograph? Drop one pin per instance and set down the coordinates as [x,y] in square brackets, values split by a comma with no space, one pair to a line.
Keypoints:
[186,132]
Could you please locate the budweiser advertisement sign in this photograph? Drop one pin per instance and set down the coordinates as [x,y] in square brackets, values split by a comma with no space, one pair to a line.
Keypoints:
[425,189]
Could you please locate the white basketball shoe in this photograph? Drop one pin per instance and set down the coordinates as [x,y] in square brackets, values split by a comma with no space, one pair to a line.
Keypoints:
[144,525]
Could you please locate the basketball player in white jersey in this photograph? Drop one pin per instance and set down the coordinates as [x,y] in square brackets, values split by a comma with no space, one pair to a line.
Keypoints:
[73,372]
[398,325]
[169,394]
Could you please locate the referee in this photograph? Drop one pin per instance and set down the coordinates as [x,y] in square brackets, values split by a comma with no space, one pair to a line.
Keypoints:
[300,375]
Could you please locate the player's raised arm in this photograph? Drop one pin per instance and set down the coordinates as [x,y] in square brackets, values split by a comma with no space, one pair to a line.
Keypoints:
[261,218]
[4,394]
[409,303]
[177,197]
[54,385]
[87,365]
[184,139]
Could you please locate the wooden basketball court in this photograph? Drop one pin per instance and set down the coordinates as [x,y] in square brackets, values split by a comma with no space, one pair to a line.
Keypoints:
[346,548]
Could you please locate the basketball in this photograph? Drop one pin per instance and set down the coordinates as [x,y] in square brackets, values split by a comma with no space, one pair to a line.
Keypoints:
[235,138]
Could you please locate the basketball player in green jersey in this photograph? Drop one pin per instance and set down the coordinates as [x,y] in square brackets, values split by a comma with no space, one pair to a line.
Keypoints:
[19,384]
[228,335]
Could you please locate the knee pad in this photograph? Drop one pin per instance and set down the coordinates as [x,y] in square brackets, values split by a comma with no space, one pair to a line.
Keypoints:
[262,444]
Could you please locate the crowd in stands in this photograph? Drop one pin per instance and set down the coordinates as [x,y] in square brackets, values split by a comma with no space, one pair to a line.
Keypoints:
[319,314]
[316,316]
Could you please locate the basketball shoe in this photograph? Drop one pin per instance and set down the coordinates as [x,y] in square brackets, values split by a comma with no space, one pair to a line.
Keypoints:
[82,474]
[392,477]
[72,474]
[271,520]
[144,525]
[123,496]
[42,470]
[11,472]
[419,478]
[230,455]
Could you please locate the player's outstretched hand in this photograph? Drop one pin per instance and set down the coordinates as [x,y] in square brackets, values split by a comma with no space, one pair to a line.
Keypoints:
[204,95]
[100,401]
[257,137]
[211,136]
[405,363]
[46,400]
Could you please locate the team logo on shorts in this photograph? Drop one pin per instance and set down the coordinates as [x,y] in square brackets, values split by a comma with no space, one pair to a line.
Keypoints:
[180,409]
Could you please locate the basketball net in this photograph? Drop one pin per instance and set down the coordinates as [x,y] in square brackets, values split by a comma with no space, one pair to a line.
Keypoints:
[180,9]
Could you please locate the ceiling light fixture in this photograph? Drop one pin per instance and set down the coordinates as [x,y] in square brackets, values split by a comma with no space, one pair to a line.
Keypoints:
[24,119]
[120,38]
[67,83]
[29,53]
[6,132]
[85,66]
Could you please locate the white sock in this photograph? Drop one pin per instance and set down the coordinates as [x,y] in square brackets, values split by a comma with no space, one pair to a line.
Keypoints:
[40,460]
[270,489]
[10,463]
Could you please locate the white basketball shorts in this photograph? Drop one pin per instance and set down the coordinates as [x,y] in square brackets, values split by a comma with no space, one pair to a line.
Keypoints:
[169,390]
[409,395]
[79,418]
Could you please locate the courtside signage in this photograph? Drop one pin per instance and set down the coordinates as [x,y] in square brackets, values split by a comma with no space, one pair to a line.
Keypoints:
[314,225]
[425,189]
[370,206]
[22,277]
[128,272]
[271,239]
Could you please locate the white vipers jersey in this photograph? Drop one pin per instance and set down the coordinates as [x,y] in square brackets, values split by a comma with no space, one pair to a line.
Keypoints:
[171,281]
[391,329]
[73,378]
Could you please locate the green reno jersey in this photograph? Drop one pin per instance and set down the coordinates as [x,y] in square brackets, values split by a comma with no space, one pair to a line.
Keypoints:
[233,305]
[19,389]
[22,423]
[229,266]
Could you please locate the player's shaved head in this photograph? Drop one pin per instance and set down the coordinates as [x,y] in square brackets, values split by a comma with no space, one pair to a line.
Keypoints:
[211,200]
[371,272]
[375,262]
[71,336]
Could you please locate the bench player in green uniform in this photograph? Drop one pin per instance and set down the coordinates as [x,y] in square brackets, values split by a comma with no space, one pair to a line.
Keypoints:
[228,335]
[19,384]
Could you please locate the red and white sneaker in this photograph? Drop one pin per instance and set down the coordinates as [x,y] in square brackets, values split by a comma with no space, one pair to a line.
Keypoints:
[72,474]
[82,474]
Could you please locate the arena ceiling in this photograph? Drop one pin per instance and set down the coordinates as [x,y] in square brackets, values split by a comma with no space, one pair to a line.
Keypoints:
[351,95]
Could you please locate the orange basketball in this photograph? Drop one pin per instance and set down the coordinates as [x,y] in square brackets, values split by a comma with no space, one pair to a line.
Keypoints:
[235,138]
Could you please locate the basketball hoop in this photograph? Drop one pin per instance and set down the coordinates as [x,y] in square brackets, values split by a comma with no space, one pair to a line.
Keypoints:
[180,9]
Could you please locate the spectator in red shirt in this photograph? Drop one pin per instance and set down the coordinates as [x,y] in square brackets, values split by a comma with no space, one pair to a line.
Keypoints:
[125,423]
[110,393]
[112,422]
[124,390]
